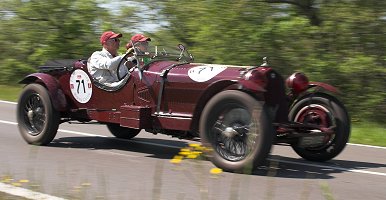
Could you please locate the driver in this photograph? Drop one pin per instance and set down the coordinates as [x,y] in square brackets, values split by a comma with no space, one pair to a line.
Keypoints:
[103,65]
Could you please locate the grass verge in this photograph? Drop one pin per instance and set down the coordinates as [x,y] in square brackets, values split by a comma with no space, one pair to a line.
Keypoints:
[10,93]
[361,133]
[368,133]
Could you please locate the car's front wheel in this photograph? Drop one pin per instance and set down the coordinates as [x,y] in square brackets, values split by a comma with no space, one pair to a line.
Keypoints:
[38,121]
[237,129]
[122,132]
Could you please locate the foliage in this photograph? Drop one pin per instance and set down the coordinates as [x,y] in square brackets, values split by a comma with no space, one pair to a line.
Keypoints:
[36,31]
[338,42]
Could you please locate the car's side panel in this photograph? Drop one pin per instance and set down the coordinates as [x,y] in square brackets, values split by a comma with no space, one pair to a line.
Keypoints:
[183,91]
[100,99]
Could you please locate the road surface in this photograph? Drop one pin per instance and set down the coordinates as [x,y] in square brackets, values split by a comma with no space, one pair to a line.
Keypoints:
[87,162]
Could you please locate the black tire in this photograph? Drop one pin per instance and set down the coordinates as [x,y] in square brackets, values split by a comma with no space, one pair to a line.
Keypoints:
[38,121]
[122,132]
[237,129]
[326,111]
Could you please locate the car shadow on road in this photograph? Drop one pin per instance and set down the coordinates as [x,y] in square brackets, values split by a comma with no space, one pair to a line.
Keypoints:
[157,148]
[276,166]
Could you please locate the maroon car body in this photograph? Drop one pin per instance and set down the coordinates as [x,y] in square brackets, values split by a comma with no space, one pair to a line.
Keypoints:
[171,95]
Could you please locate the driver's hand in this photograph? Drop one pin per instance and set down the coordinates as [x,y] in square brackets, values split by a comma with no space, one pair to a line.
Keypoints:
[131,59]
[130,63]
[130,50]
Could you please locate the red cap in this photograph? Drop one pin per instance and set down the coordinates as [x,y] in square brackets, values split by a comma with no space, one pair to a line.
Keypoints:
[137,38]
[109,35]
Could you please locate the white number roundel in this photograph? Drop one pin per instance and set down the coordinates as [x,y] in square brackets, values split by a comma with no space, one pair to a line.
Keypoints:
[81,86]
[205,72]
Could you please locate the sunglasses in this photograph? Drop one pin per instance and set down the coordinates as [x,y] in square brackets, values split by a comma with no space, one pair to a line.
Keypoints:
[115,39]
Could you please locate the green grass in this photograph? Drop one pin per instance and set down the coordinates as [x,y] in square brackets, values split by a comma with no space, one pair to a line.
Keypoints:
[361,133]
[10,93]
[368,133]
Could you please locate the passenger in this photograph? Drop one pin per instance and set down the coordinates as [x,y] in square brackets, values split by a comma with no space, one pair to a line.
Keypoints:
[103,65]
[141,43]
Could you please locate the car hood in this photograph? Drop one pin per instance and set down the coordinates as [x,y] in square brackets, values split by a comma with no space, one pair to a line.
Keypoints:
[197,72]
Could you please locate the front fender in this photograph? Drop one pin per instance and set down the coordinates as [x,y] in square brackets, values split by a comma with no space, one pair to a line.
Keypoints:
[208,93]
[56,94]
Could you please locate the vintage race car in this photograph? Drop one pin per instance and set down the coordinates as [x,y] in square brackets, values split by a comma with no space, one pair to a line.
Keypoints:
[238,112]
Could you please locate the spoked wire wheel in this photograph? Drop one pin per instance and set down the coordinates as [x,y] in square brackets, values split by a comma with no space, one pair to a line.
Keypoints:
[234,134]
[34,114]
[236,127]
[38,121]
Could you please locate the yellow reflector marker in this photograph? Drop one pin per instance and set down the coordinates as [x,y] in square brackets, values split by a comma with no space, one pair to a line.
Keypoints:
[7,180]
[191,156]
[185,150]
[86,184]
[194,145]
[178,157]
[216,171]
[175,161]
[184,153]
[16,184]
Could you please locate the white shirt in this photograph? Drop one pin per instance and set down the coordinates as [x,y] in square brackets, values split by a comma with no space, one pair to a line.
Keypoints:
[103,66]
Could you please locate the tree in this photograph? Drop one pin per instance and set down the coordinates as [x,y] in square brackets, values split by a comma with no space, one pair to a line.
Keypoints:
[339,42]
[36,31]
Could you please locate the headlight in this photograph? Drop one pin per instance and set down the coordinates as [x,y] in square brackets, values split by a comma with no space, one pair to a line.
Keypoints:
[297,82]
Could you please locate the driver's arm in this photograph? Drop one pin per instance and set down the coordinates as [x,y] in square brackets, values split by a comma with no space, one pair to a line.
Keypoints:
[101,62]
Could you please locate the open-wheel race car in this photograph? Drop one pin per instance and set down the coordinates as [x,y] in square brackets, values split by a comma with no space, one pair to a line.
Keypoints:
[238,112]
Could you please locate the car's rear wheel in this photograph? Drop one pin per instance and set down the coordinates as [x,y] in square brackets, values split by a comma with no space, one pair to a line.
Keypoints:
[38,121]
[122,132]
[237,129]
[327,112]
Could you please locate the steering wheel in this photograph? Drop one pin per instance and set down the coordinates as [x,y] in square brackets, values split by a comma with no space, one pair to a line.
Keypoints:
[124,58]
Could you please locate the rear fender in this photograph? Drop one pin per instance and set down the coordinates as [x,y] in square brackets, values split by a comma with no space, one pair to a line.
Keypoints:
[56,94]
[324,86]
[315,88]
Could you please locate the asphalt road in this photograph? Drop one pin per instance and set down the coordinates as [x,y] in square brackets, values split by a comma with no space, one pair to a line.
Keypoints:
[86,162]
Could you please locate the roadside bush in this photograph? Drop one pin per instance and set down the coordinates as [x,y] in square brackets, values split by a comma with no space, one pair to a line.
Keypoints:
[12,71]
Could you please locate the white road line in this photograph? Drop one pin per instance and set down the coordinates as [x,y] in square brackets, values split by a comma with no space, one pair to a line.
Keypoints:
[25,193]
[8,122]
[80,133]
[365,145]
[94,135]
[8,102]
[283,161]
[14,103]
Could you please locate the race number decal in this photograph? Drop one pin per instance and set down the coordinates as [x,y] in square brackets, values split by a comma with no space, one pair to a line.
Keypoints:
[81,86]
[205,72]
